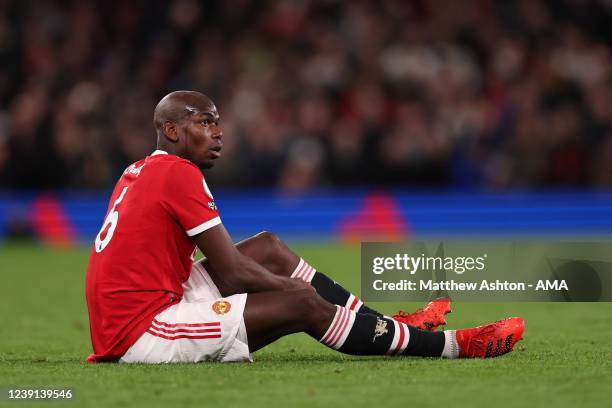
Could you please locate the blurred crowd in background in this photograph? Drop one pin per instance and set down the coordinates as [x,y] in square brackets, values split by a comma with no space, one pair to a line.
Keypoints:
[314,93]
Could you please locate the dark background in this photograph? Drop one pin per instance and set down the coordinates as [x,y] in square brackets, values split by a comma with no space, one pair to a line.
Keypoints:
[313,93]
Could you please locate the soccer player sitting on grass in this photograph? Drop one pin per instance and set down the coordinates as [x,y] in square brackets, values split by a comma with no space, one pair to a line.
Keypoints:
[149,302]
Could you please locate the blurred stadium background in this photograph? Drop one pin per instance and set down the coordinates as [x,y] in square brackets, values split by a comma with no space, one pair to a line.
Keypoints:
[342,120]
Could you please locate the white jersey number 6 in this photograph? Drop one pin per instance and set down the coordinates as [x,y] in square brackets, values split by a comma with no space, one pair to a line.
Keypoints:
[111,223]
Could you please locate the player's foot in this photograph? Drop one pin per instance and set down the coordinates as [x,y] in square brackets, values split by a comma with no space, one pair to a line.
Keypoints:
[490,340]
[429,317]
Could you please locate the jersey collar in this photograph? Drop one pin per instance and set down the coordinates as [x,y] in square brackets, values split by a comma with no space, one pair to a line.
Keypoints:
[158,152]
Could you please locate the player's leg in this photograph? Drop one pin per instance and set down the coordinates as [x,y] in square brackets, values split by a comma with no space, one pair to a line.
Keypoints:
[270,252]
[269,316]
[272,315]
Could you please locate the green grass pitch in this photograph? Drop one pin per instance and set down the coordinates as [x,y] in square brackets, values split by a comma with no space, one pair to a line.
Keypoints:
[563,361]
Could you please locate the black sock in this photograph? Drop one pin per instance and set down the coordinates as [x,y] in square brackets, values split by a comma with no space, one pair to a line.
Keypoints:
[424,343]
[336,294]
[368,334]
[330,290]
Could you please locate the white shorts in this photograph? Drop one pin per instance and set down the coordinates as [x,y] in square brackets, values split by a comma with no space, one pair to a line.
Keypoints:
[203,326]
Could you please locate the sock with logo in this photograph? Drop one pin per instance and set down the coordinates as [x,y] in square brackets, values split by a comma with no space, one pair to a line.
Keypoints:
[330,290]
[368,334]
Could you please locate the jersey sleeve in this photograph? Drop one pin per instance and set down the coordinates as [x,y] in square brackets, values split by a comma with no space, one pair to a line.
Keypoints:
[189,200]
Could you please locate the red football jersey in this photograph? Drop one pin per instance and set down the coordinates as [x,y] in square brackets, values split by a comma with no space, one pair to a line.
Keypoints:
[144,251]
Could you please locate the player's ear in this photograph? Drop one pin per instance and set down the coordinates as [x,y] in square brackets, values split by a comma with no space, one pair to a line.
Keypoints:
[170,131]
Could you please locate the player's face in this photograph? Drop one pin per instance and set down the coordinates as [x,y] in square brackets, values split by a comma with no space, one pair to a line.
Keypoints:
[202,137]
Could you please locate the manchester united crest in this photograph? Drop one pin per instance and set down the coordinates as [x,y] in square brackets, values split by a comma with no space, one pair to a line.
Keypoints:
[221,307]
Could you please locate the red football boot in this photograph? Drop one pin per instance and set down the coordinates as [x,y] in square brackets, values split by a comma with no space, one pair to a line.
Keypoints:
[490,340]
[429,317]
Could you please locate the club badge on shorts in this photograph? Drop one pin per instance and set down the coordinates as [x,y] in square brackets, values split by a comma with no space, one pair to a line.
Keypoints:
[221,307]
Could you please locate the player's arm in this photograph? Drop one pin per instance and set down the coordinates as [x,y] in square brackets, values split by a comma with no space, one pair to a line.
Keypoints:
[189,201]
[234,272]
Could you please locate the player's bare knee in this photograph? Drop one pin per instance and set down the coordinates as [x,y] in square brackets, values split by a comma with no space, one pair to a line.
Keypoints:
[271,244]
[273,254]
[269,239]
